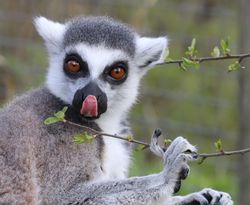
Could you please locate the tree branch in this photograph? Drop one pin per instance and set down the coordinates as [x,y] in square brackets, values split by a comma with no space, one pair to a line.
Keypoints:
[239,57]
[225,153]
[203,156]
[98,134]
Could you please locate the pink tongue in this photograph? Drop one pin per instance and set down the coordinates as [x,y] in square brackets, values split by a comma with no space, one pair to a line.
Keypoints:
[89,107]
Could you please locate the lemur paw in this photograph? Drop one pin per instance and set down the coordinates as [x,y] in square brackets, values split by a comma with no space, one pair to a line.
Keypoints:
[208,197]
[175,159]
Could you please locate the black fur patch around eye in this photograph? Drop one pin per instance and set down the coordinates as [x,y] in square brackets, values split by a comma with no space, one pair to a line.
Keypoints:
[106,73]
[83,72]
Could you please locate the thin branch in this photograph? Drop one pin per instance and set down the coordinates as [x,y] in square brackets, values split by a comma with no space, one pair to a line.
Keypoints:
[203,156]
[240,57]
[225,153]
[97,134]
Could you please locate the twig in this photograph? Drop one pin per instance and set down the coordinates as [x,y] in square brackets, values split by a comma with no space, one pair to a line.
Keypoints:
[240,57]
[203,156]
[97,134]
[225,153]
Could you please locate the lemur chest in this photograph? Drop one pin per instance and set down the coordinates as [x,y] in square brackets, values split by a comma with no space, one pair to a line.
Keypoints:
[116,159]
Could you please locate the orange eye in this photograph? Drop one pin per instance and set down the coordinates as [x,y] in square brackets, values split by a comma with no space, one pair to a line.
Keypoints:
[73,66]
[118,73]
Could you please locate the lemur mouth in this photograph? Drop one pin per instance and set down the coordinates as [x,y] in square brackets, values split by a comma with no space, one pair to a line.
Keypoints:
[89,102]
[89,107]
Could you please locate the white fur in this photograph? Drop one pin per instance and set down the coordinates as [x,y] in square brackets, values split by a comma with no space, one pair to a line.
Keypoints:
[116,160]
[148,47]
[120,99]
[51,32]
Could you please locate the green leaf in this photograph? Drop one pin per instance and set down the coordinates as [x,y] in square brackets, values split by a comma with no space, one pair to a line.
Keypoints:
[187,63]
[182,67]
[191,51]
[193,44]
[64,110]
[140,147]
[58,117]
[167,52]
[215,52]
[51,120]
[234,66]
[130,138]
[82,138]
[61,114]
[225,46]
[218,145]
[167,142]
[201,160]
[79,138]
[89,137]
[166,56]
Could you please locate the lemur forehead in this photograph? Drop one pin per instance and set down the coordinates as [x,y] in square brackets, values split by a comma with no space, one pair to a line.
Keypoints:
[100,30]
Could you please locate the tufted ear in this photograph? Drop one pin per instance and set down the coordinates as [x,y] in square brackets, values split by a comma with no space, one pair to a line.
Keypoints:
[150,51]
[52,32]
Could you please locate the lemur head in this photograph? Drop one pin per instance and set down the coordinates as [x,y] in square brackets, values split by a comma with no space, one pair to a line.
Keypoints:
[96,63]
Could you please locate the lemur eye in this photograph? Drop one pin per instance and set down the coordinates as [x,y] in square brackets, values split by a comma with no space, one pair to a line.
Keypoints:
[72,66]
[117,73]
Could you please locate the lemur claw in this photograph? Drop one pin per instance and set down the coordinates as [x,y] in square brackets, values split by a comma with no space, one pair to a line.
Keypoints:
[157,133]
[154,147]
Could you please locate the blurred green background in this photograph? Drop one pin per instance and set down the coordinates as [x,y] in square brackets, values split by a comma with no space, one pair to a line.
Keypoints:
[198,104]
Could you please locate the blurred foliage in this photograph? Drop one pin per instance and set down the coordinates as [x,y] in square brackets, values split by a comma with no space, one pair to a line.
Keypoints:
[199,104]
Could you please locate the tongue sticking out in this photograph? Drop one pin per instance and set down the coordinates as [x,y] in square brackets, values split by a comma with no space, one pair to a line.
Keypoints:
[89,107]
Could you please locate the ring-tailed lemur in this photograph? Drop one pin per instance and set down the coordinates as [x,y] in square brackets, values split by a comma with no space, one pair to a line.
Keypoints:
[95,65]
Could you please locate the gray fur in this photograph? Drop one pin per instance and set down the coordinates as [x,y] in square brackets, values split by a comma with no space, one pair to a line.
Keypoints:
[41,165]
[100,30]
[31,152]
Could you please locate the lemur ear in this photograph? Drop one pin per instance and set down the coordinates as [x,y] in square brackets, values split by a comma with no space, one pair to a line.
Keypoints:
[150,51]
[52,32]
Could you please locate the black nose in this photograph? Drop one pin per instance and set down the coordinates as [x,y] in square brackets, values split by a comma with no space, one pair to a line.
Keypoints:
[94,90]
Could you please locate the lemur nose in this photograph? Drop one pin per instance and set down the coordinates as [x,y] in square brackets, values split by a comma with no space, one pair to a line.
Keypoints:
[90,101]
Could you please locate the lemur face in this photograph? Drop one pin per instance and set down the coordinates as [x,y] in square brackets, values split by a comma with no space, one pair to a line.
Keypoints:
[95,79]
[96,63]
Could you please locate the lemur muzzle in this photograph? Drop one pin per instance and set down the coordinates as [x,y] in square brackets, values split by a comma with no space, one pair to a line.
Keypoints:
[90,101]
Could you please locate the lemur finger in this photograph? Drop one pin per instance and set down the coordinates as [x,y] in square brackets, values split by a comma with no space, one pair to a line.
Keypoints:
[177,171]
[172,146]
[216,197]
[226,199]
[184,173]
[177,186]
[195,199]
[211,195]
[154,147]
[208,197]
[180,145]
